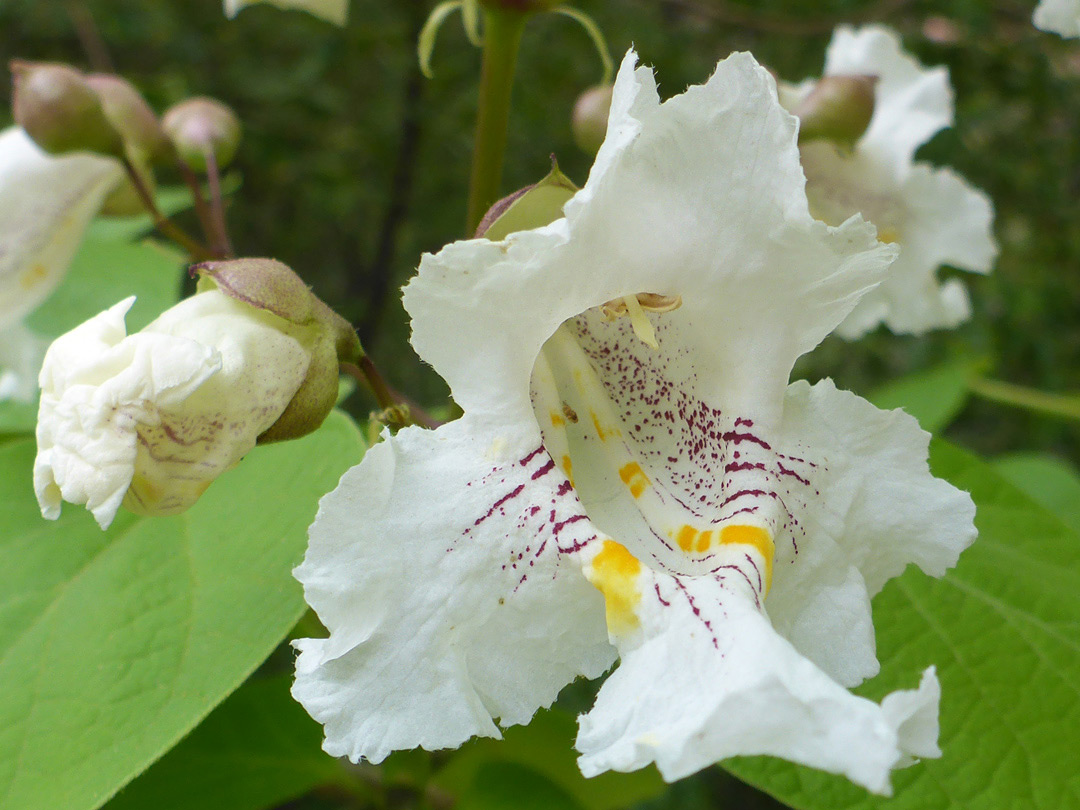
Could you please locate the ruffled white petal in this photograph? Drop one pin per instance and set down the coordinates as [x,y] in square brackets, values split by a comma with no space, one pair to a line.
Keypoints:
[445,569]
[876,508]
[334,11]
[946,221]
[911,102]
[46,203]
[660,213]
[707,677]
[151,419]
[21,353]
[1059,16]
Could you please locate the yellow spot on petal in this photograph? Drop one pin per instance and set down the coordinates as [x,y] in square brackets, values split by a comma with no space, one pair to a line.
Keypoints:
[757,538]
[686,536]
[568,469]
[632,475]
[888,235]
[600,432]
[704,541]
[614,572]
[34,276]
[557,419]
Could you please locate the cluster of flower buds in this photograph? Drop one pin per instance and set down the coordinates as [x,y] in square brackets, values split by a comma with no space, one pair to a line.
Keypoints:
[64,110]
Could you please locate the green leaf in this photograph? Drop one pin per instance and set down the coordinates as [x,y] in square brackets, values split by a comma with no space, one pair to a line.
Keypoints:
[933,397]
[504,785]
[1003,629]
[1047,480]
[547,746]
[113,645]
[257,749]
[17,417]
[107,269]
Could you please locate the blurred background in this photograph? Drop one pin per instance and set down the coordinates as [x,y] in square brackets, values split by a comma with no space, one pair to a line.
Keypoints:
[353,164]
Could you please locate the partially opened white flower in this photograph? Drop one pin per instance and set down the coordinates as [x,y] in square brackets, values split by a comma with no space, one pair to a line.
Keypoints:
[335,11]
[46,203]
[934,215]
[634,478]
[1058,16]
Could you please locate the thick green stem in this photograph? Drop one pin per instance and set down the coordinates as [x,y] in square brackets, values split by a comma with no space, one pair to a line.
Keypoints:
[1060,405]
[502,36]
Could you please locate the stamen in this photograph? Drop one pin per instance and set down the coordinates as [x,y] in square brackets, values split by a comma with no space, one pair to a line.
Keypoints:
[643,328]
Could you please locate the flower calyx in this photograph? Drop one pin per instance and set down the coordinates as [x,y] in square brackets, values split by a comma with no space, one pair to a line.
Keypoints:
[202,127]
[837,109]
[58,108]
[273,287]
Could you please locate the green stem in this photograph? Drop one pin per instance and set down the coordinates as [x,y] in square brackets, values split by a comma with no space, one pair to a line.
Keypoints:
[1060,405]
[502,36]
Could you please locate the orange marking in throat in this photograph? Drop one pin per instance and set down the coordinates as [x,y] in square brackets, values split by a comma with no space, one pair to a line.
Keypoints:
[596,424]
[568,469]
[557,419]
[614,572]
[633,476]
[757,538]
[686,536]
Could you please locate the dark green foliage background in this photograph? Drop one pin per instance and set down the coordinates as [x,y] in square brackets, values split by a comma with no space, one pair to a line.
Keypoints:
[353,164]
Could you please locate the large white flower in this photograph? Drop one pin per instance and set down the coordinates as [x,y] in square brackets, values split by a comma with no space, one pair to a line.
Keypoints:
[1058,16]
[335,11]
[633,476]
[46,202]
[933,214]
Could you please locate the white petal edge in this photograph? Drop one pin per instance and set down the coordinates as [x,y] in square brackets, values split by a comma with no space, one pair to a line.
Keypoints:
[1058,17]
[46,202]
[448,606]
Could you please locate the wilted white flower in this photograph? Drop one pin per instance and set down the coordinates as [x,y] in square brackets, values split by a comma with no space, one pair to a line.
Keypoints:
[934,215]
[149,420]
[335,11]
[46,204]
[633,476]
[1058,16]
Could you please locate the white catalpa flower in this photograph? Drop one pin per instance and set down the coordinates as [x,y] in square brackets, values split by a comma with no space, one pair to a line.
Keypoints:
[933,214]
[46,204]
[334,11]
[1058,17]
[149,420]
[633,476]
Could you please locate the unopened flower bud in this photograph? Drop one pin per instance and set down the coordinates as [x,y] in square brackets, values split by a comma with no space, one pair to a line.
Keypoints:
[838,109]
[150,420]
[271,286]
[56,107]
[590,117]
[201,126]
[131,115]
[527,208]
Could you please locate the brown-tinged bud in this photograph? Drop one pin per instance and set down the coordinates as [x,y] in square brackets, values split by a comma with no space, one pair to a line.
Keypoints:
[838,109]
[202,125]
[589,121]
[131,115]
[273,287]
[56,107]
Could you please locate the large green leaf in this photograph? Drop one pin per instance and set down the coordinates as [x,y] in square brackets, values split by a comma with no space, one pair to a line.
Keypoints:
[257,749]
[1003,629]
[934,397]
[506,785]
[114,644]
[546,746]
[1050,481]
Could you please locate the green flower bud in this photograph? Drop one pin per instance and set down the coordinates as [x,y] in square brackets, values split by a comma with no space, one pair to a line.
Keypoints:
[201,125]
[589,122]
[56,107]
[131,115]
[838,109]
[531,207]
[273,287]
